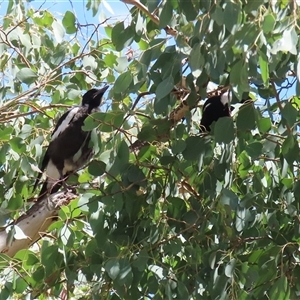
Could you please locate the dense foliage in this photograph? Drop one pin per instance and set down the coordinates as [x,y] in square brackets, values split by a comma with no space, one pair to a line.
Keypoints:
[188,215]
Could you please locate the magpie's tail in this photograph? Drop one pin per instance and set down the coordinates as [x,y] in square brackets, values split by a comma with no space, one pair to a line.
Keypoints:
[37,181]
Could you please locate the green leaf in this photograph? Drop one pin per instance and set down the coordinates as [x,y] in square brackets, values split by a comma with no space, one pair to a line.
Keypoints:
[84,201]
[135,174]
[112,267]
[67,236]
[253,5]
[26,75]
[89,63]
[121,160]
[141,261]
[289,114]
[233,14]
[268,23]
[69,22]
[287,43]
[242,218]
[290,149]
[196,60]
[110,60]
[178,146]
[229,198]
[122,83]
[39,274]
[139,26]
[5,133]
[264,67]
[90,123]
[194,147]
[51,258]
[107,122]
[46,19]
[58,31]
[31,259]
[246,117]
[147,133]
[94,5]
[164,88]
[167,160]
[116,37]
[122,37]
[224,130]
[152,5]
[125,274]
[264,125]
[254,149]
[229,269]
[21,285]
[188,9]
[296,189]
[97,168]
[161,105]
[239,77]
[15,202]
[166,14]
[218,15]
[17,144]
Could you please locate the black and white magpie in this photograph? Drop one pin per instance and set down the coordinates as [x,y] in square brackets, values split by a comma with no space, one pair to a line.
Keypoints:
[69,148]
[217,107]
[214,108]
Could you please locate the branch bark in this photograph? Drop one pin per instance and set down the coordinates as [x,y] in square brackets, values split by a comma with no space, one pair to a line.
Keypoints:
[34,223]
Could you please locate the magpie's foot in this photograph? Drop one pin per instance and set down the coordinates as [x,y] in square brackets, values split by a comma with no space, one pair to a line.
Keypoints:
[69,188]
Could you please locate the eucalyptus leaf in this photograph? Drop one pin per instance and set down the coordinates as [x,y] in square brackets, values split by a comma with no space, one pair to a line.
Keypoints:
[26,75]
[69,22]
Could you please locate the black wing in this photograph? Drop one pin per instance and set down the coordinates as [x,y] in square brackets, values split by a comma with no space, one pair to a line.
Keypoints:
[46,157]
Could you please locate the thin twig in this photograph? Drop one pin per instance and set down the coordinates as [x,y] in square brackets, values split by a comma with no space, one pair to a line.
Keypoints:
[169,30]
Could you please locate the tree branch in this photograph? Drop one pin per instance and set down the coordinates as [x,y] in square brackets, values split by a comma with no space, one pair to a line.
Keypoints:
[34,223]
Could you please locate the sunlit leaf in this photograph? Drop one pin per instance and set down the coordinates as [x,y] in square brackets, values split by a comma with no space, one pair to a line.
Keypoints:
[264,68]
[268,23]
[68,22]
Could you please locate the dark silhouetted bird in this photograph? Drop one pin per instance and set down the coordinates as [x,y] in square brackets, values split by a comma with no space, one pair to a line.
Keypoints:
[69,148]
[214,108]
[217,107]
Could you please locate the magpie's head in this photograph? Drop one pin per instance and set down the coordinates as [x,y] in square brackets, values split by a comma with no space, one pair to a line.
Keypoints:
[93,97]
[214,108]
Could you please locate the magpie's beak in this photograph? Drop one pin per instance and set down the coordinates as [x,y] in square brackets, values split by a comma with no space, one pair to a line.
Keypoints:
[100,92]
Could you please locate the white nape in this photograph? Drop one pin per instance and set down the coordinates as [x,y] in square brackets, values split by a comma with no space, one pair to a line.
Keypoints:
[65,123]
[211,86]
[226,97]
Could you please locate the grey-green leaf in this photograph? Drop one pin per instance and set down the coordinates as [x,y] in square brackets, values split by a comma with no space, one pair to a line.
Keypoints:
[122,83]
[26,75]
[224,130]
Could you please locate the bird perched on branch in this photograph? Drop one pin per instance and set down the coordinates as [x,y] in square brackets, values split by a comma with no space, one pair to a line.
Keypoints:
[69,148]
[217,107]
[214,108]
